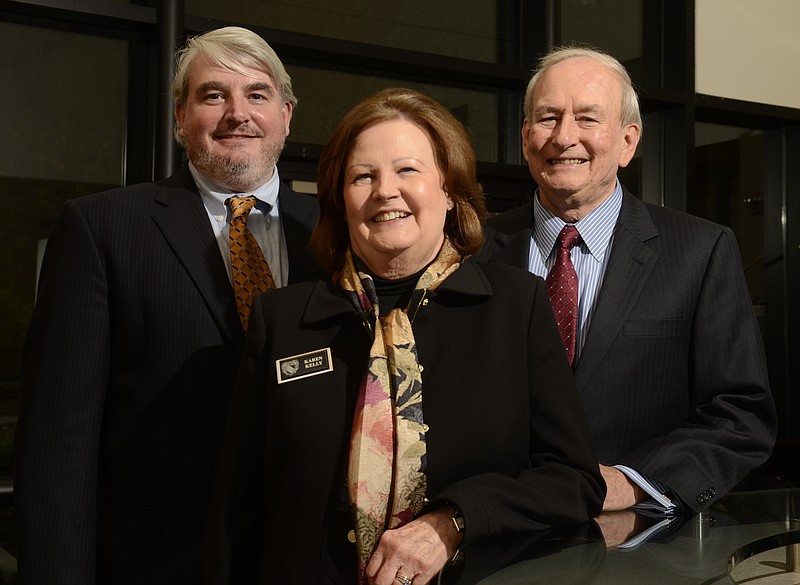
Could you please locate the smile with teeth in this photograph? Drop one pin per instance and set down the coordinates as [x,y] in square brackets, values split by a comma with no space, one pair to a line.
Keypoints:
[566,161]
[390,215]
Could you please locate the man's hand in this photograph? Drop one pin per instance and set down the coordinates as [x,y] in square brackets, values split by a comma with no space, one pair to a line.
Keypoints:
[617,527]
[622,492]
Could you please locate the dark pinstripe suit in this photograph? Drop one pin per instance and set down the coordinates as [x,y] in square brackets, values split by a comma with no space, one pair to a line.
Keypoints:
[127,373]
[672,375]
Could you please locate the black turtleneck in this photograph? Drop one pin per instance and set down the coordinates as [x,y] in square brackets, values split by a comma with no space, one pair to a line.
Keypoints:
[395,293]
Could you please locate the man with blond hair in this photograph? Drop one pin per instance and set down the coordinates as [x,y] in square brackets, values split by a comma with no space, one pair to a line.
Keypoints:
[136,335]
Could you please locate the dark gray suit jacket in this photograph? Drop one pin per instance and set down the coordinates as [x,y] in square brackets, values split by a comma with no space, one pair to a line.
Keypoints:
[127,373]
[672,375]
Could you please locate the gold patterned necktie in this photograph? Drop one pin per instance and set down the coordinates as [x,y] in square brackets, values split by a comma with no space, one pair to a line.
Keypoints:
[249,270]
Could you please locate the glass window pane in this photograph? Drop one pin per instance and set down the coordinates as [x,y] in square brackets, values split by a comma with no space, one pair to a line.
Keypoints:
[467,29]
[63,137]
[730,184]
[612,25]
[318,112]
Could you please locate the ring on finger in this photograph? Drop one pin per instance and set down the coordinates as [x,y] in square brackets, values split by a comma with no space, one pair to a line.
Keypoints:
[404,579]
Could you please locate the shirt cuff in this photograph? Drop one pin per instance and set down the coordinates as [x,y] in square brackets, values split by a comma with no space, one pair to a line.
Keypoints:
[662,496]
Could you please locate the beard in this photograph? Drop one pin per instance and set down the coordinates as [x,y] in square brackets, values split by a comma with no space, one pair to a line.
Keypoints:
[238,173]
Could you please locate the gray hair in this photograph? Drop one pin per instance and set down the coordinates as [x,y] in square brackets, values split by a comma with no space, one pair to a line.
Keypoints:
[233,48]
[630,112]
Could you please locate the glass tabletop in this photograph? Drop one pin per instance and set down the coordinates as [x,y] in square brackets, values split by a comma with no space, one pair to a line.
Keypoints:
[746,537]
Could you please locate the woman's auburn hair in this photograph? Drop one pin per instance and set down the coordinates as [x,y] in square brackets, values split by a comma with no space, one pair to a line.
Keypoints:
[455,157]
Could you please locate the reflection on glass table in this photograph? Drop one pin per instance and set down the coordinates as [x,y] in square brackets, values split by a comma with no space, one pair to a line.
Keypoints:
[718,547]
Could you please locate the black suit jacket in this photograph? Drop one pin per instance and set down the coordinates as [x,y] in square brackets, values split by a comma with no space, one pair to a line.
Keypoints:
[672,374]
[507,441]
[127,372]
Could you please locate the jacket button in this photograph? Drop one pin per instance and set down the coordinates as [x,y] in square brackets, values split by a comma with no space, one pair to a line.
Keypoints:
[706,495]
[351,536]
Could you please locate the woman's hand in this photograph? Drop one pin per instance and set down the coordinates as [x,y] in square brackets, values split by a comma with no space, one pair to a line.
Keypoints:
[417,550]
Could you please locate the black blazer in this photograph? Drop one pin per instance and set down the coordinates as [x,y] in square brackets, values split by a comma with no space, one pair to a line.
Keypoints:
[672,375]
[127,372]
[507,441]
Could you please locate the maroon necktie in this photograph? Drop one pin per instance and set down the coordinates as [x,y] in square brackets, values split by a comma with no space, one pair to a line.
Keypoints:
[562,285]
[250,272]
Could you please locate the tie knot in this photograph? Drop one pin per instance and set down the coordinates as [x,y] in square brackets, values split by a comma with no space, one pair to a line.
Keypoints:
[241,206]
[568,238]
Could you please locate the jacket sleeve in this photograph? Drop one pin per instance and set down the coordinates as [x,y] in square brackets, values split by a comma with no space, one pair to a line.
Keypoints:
[561,483]
[731,426]
[65,375]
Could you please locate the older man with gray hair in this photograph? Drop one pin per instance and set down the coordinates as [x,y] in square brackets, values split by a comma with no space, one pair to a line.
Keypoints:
[651,303]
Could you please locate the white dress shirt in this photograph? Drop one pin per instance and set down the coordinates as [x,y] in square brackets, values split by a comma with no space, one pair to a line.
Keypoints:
[263,222]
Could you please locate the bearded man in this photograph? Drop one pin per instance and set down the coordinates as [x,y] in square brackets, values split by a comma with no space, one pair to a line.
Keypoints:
[142,311]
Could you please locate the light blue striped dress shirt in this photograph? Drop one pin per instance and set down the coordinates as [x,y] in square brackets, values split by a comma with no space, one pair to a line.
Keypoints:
[590,258]
[263,222]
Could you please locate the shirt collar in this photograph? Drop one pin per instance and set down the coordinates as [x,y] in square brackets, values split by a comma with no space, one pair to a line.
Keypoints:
[214,196]
[596,229]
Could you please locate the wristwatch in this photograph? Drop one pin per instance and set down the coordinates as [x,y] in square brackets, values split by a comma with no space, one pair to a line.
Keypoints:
[458,519]
[458,522]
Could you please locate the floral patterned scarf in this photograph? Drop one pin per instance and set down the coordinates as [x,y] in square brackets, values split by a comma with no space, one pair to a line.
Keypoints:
[387,461]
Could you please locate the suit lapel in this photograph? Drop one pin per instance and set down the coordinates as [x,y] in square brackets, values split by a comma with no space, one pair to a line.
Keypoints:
[628,269]
[183,220]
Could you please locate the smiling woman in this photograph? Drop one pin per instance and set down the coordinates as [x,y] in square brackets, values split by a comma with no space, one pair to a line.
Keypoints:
[395,203]
[390,471]
[405,127]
